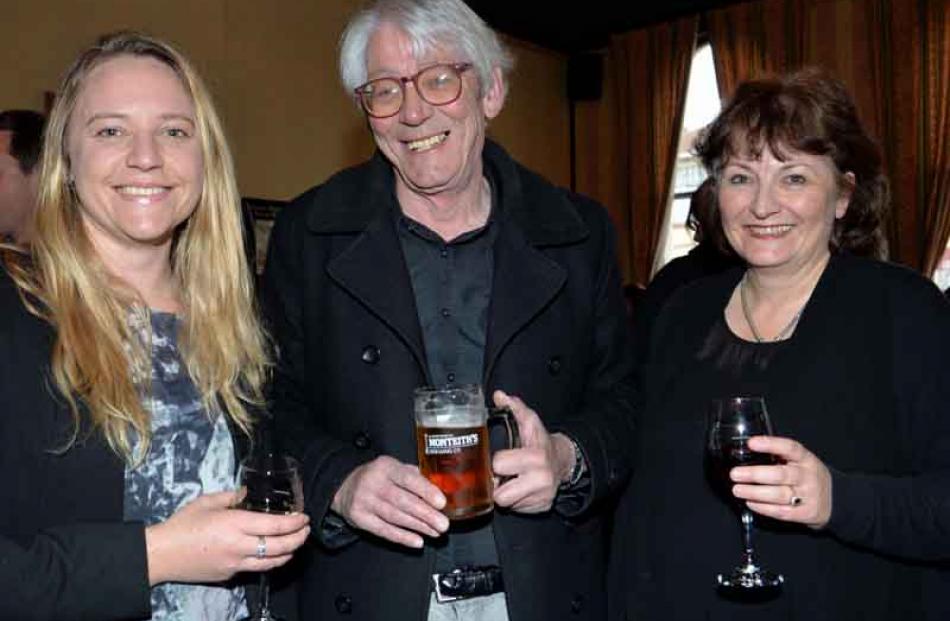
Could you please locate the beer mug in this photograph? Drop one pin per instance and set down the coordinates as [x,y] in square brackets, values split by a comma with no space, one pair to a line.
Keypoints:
[453,448]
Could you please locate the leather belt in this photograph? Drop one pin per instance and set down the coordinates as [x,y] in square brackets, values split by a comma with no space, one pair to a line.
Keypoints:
[466,582]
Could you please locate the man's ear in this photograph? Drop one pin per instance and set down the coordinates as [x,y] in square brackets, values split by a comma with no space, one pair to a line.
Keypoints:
[494,97]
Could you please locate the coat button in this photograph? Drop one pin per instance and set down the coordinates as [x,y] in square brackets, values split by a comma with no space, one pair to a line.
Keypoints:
[344,605]
[361,440]
[577,604]
[370,354]
[554,365]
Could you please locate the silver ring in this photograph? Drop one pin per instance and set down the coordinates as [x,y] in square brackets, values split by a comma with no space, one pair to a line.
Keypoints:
[261,547]
[795,501]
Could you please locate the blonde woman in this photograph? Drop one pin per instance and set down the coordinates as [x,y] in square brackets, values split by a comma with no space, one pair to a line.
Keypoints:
[131,358]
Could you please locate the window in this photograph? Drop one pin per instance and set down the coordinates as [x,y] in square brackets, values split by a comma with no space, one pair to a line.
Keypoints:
[702,106]
[942,273]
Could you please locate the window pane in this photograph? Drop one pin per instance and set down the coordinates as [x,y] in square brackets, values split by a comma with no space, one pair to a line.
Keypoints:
[942,273]
[702,106]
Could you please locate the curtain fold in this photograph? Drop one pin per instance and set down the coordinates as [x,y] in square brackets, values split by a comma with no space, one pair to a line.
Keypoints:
[627,140]
[653,75]
[755,38]
[936,52]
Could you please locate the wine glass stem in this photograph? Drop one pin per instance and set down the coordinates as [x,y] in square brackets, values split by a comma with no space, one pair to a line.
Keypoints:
[264,593]
[747,530]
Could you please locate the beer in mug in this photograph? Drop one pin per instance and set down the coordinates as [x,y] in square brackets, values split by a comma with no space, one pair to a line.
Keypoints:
[452,446]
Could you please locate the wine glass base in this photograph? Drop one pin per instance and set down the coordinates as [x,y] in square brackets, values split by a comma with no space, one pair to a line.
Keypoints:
[262,615]
[750,578]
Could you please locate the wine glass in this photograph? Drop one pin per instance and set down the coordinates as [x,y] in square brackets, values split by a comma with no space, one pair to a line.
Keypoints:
[730,424]
[273,486]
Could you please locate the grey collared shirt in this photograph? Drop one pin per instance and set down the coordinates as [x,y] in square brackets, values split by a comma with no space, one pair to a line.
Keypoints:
[452,282]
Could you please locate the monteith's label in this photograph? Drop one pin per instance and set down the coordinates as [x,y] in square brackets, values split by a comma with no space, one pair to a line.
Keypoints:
[447,444]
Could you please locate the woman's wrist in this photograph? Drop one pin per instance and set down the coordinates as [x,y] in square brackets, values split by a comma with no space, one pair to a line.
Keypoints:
[156,551]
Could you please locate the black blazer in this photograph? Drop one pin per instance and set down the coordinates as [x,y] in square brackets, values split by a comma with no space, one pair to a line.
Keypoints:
[341,307]
[64,551]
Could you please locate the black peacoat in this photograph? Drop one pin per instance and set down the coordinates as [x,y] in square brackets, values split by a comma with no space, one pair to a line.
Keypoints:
[341,308]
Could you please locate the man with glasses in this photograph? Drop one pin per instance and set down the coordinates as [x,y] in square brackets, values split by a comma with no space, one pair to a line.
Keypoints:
[443,261]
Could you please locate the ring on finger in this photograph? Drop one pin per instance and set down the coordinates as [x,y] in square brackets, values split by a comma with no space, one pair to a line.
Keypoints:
[795,500]
[261,547]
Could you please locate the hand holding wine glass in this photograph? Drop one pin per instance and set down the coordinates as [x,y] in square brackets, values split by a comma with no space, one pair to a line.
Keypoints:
[730,424]
[207,541]
[273,485]
[796,489]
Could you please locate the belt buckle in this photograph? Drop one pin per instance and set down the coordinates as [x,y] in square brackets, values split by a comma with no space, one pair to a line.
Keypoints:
[439,596]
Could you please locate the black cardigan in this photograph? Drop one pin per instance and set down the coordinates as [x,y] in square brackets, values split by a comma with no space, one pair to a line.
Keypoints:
[864,383]
[64,551]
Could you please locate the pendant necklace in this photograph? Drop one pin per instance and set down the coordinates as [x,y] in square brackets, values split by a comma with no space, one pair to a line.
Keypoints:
[747,314]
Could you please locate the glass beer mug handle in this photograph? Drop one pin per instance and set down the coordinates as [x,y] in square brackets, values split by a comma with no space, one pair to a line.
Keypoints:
[506,417]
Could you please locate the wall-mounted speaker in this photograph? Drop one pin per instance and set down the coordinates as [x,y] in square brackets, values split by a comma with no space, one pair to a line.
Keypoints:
[585,76]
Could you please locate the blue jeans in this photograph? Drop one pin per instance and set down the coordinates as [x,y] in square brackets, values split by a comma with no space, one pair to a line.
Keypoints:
[486,608]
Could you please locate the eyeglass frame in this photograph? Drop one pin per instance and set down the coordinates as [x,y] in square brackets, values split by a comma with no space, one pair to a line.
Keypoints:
[459,68]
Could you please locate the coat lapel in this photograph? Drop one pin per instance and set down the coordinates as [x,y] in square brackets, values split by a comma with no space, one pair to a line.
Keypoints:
[535,215]
[372,269]
[524,282]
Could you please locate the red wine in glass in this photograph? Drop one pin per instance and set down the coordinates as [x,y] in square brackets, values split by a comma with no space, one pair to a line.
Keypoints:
[730,424]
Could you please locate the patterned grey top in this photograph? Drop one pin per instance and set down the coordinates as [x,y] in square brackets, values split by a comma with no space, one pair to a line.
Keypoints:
[191,454]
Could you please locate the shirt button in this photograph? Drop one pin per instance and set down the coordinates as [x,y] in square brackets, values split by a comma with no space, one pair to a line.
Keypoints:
[444,253]
[554,365]
[361,440]
[577,604]
[370,354]
[446,312]
[344,605]
[451,377]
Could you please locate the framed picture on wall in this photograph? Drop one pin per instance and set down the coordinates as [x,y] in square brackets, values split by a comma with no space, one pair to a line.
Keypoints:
[259,215]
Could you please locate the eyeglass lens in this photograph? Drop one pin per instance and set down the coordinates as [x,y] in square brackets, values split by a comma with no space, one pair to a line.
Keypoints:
[437,85]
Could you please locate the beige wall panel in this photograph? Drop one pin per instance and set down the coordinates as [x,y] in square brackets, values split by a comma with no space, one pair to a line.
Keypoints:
[534,125]
[293,125]
[272,70]
[43,36]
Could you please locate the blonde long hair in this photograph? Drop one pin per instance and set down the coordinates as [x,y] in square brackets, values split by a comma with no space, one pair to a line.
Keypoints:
[96,354]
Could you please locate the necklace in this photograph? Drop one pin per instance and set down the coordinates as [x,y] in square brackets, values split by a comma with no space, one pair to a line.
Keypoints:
[747,314]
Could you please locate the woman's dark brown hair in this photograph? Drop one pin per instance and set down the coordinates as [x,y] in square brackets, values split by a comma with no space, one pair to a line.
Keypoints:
[810,112]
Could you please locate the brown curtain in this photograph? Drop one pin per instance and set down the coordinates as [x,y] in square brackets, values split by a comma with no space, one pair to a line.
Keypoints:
[753,39]
[627,141]
[936,102]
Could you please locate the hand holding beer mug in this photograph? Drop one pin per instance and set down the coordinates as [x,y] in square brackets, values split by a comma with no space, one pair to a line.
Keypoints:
[453,448]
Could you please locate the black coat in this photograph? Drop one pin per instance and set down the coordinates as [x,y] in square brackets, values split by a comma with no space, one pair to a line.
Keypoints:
[64,551]
[342,309]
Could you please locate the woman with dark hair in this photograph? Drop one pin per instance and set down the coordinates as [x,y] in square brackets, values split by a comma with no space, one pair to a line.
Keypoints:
[852,357]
